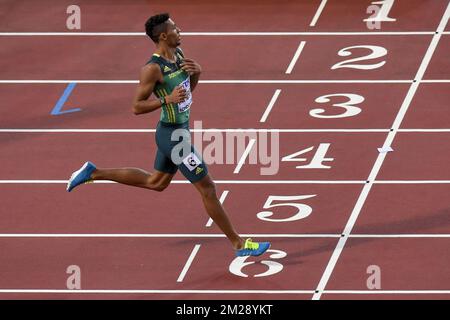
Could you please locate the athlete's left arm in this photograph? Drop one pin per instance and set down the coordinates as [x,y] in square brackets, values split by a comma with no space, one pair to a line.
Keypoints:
[194,70]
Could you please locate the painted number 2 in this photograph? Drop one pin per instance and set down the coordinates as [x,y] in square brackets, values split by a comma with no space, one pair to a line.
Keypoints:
[349,106]
[376,52]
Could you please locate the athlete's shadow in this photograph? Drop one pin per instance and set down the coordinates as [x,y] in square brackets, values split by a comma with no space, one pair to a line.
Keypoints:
[409,226]
[415,225]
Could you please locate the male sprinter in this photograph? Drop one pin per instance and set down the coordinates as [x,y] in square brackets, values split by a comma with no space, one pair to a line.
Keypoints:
[172,78]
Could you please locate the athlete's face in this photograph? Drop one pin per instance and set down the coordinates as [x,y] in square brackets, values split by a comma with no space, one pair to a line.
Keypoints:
[173,34]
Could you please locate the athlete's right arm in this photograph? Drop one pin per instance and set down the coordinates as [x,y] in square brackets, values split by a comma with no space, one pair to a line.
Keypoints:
[150,74]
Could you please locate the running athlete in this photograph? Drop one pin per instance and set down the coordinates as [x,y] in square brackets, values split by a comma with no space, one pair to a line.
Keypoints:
[171,78]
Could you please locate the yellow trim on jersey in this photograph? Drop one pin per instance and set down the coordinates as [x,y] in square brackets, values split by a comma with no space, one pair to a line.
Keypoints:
[170,106]
[161,94]
[170,113]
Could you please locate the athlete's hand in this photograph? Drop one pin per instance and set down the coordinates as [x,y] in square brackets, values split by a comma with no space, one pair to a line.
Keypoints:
[191,67]
[178,95]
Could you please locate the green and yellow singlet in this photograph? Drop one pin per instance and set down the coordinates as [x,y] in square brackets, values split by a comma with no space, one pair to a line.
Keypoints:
[173,77]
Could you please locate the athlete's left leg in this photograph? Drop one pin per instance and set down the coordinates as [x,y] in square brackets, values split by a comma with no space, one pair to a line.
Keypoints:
[215,210]
[196,171]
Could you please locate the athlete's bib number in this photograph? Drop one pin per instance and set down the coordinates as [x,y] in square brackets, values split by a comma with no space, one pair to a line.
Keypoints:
[186,104]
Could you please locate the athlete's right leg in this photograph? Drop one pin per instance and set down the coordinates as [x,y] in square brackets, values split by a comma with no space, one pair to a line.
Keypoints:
[157,181]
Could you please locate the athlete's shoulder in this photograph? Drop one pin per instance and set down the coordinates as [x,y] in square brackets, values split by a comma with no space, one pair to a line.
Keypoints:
[155,58]
[150,72]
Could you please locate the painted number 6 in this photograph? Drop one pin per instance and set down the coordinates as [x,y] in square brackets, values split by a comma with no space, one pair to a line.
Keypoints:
[236,267]
[303,210]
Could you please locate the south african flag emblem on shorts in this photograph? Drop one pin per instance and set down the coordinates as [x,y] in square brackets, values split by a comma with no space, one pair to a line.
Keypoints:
[198,170]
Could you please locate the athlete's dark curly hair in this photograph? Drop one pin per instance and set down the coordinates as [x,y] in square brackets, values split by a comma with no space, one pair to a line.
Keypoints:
[155,25]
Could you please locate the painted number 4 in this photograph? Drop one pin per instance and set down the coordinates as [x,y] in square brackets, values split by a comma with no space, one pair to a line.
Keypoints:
[316,161]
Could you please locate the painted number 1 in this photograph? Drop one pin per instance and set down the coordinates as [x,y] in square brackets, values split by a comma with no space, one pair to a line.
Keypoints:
[380,14]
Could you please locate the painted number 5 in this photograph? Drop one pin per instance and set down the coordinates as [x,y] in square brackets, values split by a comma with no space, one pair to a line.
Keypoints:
[349,106]
[303,210]
[377,52]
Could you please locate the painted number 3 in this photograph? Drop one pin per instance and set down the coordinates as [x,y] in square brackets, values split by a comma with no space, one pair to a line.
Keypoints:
[349,106]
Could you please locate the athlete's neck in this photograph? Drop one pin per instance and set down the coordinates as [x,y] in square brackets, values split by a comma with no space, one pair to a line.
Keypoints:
[166,52]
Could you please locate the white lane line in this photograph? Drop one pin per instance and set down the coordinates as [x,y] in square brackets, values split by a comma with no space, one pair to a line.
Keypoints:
[295,57]
[318,13]
[380,159]
[412,91]
[18,130]
[437,235]
[219,81]
[197,130]
[387,291]
[420,73]
[61,81]
[250,182]
[187,182]
[435,81]
[244,156]
[154,291]
[423,130]
[223,196]
[412,181]
[161,235]
[41,181]
[72,34]
[188,263]
[112,291]
[301,33]
[270,105]
[213,235]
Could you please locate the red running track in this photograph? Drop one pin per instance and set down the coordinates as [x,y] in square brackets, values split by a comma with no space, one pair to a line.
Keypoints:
[387,211]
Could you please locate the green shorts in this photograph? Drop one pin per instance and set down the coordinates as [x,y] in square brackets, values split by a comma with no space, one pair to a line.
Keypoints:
[175,151]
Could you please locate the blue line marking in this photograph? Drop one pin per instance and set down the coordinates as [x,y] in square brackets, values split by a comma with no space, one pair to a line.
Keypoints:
[57,109]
